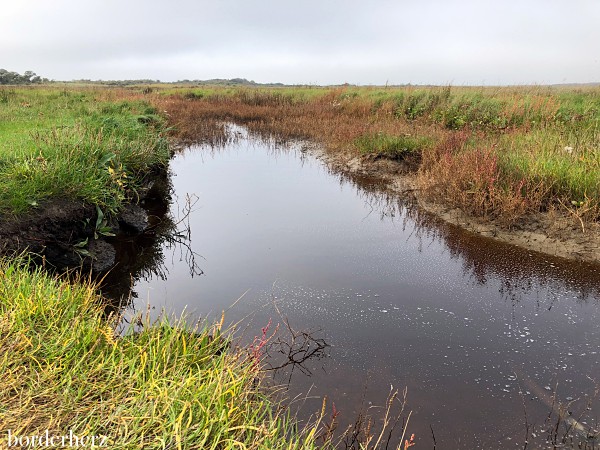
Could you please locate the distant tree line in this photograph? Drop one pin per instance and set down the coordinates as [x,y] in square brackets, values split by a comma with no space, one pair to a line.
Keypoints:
[29,77]
[212,82]
[226,82]
[114,82]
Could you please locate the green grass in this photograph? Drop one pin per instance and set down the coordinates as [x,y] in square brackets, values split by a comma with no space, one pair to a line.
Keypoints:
[568,165]
[75,144]
[163,386]
[392,147]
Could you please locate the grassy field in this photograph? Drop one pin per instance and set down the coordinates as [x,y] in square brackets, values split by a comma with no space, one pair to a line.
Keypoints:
[75,144]
[499,153]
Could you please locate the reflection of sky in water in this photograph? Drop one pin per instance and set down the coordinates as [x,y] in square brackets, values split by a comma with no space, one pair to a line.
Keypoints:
[459,320]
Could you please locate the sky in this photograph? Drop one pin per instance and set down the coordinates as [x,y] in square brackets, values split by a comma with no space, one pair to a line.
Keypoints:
[460,42]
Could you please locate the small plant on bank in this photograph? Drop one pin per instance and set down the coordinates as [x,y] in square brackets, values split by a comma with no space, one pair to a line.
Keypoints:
[102,227]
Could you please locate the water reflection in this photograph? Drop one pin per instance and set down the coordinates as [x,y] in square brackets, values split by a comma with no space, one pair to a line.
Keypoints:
[482,258]
[144,256]
[402,298]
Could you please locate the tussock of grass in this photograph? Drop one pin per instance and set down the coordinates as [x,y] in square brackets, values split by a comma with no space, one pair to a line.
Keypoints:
[393,147]
[165,386]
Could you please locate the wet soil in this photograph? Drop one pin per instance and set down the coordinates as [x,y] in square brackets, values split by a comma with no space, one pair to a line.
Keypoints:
[60,233]
[552,233]
[50,231]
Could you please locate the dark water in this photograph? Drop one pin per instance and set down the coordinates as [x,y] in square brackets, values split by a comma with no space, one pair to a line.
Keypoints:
[460,321]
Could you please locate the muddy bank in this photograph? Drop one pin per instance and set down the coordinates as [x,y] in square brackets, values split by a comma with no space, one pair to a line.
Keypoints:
[64,233]
[551,233]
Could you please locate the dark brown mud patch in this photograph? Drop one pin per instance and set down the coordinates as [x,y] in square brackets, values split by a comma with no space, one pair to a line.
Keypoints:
[61,233]
[50,232]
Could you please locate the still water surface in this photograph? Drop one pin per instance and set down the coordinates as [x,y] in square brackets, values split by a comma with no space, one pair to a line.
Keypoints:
[460,321]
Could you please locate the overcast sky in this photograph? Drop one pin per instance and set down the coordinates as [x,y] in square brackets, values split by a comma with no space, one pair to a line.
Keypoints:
[306,42]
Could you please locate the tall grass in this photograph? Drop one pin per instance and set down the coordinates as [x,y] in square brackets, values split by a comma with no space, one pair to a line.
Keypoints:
[164,385]
[392,147]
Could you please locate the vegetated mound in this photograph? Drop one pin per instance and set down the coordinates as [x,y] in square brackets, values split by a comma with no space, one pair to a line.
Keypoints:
[71,161]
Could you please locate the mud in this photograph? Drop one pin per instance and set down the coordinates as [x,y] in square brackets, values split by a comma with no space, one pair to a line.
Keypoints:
[60,233]
[551,233]
[49,232]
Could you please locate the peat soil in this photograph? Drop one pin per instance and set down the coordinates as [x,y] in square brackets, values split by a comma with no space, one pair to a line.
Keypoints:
[61,234]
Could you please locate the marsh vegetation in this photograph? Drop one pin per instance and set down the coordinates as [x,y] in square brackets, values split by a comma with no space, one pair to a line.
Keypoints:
[497,153]
[502,155]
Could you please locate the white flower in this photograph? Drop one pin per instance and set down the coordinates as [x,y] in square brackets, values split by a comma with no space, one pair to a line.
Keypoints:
[569,150]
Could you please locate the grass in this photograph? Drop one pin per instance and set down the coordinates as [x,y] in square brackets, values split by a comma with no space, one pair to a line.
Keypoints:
[75,144]
[496,153]
[392,147]
[66,371]
[501,153]
[165,385]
